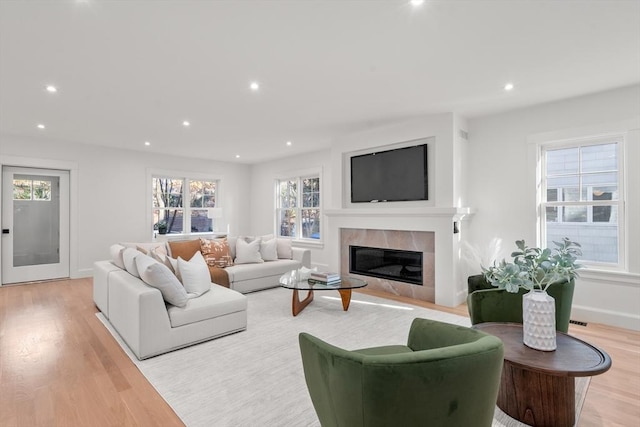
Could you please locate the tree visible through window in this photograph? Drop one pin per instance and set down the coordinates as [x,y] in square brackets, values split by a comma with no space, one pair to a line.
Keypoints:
[170,212]
[298,207]
[582,188]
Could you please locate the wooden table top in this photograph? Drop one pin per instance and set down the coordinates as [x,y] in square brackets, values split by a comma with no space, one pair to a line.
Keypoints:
[572,357]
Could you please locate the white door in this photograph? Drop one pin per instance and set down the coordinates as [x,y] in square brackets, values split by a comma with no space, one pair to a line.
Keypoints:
[35,224]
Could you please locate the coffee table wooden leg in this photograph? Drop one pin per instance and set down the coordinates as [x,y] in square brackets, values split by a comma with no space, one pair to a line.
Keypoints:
[296,305]
[536,398]
[345,294]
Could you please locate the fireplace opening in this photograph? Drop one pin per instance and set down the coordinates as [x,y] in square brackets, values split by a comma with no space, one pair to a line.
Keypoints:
[403,266]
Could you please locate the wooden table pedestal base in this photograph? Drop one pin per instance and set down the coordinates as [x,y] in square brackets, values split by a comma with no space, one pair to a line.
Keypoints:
[537,399]
[297,306]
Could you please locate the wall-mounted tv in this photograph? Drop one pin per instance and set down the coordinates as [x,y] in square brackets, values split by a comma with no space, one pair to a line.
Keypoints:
[390,176]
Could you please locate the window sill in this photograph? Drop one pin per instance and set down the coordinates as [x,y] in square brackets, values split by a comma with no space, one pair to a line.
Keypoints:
[308,243]
[175,236]
[619,277]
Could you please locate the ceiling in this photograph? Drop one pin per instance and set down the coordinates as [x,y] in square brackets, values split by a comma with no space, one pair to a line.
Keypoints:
[132,71]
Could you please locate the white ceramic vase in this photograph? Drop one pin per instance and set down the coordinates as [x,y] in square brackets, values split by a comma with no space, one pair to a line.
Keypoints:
[539,320]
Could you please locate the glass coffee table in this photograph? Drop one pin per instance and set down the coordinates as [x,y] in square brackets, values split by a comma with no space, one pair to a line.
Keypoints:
[291,281]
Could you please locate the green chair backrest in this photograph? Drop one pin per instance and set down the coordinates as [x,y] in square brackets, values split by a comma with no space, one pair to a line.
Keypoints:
[454,385]
[490,304]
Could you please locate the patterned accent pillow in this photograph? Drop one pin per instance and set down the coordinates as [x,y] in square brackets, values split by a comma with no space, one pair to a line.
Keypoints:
[216,252]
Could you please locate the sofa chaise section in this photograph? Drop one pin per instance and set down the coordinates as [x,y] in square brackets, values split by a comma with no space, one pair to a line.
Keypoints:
[150,326]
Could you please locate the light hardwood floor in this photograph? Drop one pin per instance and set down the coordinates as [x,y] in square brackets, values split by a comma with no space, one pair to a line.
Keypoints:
[60,366]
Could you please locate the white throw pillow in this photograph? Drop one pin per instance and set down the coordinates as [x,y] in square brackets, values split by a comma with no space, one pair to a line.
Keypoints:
[232,241]
[116,251]
[129,256]
[268,250]
[195,274]
[160,277]
[284,249]
[145,247]
[248,252]
[165,259]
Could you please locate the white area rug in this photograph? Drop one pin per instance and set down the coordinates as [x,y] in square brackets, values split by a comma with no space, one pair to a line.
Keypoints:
[255,377]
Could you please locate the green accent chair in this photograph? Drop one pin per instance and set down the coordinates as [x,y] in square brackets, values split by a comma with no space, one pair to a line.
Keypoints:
[486,303]
[446,375]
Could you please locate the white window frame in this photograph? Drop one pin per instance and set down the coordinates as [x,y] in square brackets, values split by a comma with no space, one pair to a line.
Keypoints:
[215,212]
[299,176]
[543,203]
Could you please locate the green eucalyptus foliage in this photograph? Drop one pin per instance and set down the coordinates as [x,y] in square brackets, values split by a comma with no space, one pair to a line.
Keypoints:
[535,268]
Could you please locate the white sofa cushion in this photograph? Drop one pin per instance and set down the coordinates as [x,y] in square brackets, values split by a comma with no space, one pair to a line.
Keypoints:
[195,275]
[241,272]
[269,249]
[160,277]
[146,247]
[248,252]
[129,256]
[284,248]
[219,301]
[116,252]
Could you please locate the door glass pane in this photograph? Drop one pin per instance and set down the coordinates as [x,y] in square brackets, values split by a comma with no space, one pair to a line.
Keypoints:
[36,220]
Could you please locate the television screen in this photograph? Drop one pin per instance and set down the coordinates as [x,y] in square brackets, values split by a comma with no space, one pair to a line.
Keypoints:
[390,176]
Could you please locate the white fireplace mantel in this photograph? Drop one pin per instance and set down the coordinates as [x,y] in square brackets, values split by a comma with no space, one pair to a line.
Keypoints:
[424,212]
[440,220]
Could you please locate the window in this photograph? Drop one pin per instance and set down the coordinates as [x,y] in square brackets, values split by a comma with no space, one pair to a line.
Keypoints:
[582,197]
[298,207]
[170,211]
[31,189]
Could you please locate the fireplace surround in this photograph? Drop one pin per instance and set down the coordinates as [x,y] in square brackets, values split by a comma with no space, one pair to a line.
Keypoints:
[432,228]
[394,241]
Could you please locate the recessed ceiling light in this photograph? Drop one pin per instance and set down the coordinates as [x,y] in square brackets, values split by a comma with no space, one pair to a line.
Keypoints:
[237,156]
[508,86]
[40,126]
[416,3]
[289,143]
[254,86]
[147,143]
[186,124]
[52,89]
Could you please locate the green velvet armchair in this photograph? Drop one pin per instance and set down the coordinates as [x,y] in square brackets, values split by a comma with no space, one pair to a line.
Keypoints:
[487,303]
[446,375]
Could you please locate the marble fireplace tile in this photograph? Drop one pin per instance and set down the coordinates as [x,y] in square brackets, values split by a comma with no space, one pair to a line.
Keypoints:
[420,241]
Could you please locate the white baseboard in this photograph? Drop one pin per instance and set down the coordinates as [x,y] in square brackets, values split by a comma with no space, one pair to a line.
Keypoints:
[607,317]
[82,273]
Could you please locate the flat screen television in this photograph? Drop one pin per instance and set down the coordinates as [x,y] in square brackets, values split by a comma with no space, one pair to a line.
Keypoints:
[390,176]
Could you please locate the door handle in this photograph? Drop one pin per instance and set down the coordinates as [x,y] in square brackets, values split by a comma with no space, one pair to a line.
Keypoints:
[5,231]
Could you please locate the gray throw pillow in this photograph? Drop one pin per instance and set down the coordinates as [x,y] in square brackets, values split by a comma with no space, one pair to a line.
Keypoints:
[160,277]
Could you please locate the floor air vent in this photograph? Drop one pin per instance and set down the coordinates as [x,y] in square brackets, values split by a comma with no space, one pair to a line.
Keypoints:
[576,322]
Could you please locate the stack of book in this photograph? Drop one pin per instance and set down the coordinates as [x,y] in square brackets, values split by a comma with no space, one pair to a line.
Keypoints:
[322,278]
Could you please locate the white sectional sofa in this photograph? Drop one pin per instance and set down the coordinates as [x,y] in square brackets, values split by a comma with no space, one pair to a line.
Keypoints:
[151,326]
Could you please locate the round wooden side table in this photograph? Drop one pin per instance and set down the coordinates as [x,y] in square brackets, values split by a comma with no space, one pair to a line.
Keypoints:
[538,387]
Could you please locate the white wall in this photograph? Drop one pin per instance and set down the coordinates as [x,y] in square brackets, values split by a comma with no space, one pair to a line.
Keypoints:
[500,185]
[112,191]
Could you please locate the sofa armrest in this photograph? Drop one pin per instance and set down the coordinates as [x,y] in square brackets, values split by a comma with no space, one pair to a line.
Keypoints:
[302,255]
[138,312]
